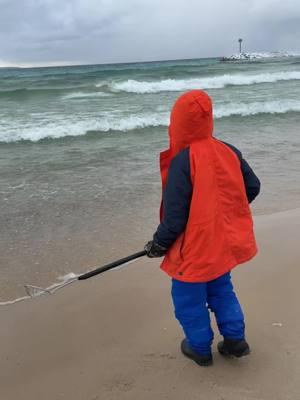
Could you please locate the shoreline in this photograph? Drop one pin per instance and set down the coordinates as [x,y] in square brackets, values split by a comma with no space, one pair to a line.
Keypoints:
[115,336]
[258,219]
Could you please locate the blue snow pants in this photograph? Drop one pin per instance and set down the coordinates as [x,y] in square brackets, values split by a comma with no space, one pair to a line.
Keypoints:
[192,302]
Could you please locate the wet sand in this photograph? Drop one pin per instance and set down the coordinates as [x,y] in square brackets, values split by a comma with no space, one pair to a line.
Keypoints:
[115,337]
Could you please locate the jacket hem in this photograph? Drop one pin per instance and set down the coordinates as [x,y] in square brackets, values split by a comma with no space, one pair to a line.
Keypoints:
[207,278]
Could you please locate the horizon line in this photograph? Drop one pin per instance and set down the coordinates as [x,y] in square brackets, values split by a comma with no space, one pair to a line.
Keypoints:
[58,64]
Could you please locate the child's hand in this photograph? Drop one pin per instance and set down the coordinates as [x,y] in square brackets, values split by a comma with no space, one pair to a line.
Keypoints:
[154,249]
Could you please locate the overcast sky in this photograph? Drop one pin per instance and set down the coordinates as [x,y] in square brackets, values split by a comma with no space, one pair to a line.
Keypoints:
[99,31]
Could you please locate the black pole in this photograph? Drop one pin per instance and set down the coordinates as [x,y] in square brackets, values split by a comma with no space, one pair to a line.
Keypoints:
[114,264]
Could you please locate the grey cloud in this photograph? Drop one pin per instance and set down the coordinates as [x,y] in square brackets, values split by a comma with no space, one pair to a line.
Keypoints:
[90,31]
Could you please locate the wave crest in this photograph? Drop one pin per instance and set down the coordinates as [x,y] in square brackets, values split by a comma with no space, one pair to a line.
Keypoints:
[60,129]
[216,82]
[83,95]
[255,108]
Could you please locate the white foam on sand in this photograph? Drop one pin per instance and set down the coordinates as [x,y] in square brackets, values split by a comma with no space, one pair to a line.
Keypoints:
[63,281]
[10,302]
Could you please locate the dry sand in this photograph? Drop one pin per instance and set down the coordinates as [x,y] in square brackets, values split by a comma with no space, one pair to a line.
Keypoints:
[115,337]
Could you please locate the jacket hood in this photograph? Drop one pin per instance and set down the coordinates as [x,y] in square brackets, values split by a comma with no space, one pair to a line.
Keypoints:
[191,120]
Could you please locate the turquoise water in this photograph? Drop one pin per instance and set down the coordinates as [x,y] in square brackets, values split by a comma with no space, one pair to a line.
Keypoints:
[71,101]
[79,148]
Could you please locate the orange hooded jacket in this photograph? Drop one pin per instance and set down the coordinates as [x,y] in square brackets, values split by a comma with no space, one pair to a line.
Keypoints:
[219,232]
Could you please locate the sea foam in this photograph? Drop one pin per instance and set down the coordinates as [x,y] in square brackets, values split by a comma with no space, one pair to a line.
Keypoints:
[83,95]
[255,108]
[60,129]
[63,281]
[216,82]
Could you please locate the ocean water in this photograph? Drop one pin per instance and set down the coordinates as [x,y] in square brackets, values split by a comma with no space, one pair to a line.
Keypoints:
[79,183]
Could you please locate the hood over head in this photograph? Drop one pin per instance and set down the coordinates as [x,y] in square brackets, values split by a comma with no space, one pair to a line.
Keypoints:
[191,120]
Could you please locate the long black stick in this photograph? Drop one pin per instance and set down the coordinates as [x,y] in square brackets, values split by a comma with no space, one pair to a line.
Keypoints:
[114,264]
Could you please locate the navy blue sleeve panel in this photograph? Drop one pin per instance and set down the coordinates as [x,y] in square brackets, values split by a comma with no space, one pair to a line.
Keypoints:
[252,183]
[176,200]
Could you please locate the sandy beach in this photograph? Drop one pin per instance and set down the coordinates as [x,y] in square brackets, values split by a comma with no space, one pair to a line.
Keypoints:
[115,337]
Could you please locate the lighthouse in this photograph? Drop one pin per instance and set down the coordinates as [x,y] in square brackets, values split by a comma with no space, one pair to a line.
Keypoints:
[240,45]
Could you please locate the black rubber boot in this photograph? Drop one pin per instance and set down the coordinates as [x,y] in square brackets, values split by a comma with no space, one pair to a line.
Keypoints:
[233,348]
[204,361]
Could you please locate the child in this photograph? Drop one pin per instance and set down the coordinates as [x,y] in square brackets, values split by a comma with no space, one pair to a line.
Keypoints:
[206,228]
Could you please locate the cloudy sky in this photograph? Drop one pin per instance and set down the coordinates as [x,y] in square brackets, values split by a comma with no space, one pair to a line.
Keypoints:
[35,32]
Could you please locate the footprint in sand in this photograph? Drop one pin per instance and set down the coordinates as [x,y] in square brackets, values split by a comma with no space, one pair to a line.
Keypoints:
[120,384]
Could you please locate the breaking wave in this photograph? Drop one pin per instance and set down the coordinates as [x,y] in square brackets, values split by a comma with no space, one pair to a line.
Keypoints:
[60,129]
[216,82]
[268,107]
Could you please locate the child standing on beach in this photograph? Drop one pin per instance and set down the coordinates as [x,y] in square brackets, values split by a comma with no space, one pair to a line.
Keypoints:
[206,228]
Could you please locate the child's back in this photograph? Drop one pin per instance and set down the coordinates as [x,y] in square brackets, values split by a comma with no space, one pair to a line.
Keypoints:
[206,226]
